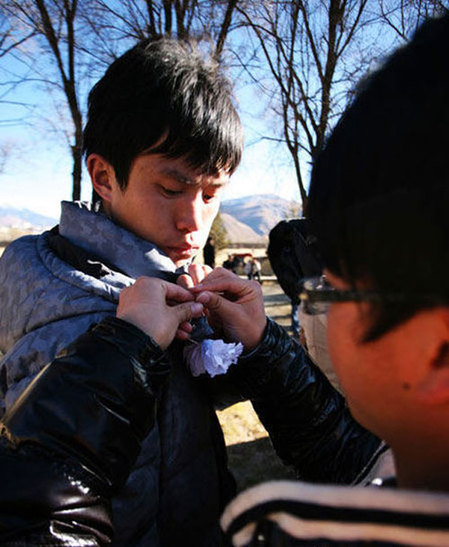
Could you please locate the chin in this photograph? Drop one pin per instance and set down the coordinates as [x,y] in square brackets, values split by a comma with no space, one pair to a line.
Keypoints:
[183,261]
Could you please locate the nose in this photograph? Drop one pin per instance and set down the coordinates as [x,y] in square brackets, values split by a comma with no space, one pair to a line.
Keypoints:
[190,214]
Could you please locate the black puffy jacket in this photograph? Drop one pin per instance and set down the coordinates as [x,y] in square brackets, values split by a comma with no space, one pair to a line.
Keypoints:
[70,441]
[309,422]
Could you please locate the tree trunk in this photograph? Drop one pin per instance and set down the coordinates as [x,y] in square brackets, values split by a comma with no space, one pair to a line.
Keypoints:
[77,157]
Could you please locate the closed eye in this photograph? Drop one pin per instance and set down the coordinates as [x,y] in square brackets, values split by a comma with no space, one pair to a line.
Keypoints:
[169,192]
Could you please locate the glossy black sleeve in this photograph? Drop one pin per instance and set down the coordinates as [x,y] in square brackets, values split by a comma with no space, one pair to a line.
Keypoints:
[70,440]
[308,421]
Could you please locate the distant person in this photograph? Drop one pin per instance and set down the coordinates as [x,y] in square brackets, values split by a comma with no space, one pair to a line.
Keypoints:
[256,268]
[209,252]
[248,268]
[292,257]
[229,263]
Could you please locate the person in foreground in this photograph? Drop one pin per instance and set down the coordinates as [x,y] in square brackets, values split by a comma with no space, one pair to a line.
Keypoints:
[162,139]
[379,201]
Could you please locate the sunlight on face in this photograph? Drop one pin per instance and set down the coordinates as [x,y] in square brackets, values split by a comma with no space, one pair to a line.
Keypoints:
[169,204]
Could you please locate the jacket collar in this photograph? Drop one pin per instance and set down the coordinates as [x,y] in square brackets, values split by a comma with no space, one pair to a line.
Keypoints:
[96,233]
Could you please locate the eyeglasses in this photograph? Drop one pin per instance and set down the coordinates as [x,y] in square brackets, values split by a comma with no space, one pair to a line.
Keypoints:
[317,294]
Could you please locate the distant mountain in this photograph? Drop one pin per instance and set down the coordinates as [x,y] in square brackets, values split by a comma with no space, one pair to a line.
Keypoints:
[261,212]
[247,220]
[12,217]
[238,232]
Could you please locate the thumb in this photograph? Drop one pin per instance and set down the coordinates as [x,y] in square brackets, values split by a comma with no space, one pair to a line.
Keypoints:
[186,311]
[214,302]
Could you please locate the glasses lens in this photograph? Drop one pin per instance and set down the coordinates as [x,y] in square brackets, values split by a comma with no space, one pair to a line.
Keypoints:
[313,296]
[314,308]
[315,284]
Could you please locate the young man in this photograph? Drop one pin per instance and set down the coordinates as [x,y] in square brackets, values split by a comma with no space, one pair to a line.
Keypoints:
[161,140]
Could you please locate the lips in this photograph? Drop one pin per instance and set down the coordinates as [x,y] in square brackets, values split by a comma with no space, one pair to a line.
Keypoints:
[184,250]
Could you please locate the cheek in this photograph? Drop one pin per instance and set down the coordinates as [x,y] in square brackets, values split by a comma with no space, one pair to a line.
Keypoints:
[335,338]
[343,348]
[211,211]
[208,215]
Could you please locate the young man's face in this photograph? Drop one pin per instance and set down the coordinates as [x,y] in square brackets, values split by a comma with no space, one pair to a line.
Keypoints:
[167,203]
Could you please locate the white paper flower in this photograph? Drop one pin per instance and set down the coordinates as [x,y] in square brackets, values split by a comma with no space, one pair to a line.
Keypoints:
[212,356]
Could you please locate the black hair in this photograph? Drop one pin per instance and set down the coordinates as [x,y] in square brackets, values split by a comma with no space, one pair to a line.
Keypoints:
[379,194]
[163,96]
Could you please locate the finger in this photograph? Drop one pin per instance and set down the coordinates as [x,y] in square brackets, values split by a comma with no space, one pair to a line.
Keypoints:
[185,281]
[186,326]
[182,335]
[218,275]
[187,311]
[177,293]
[224,284]
[214,302]
[198,272]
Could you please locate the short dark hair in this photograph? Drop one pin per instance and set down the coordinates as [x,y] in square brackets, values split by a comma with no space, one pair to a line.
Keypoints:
[164,96]
[379,194]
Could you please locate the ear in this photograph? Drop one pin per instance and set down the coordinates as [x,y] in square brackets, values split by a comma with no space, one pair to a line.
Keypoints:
[433,389]
[102,175]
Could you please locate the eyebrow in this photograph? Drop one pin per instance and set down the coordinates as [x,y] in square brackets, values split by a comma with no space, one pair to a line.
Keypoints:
[177,175]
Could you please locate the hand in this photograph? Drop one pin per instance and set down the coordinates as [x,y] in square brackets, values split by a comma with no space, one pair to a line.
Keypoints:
[160,309]
[233,306]
[196,274]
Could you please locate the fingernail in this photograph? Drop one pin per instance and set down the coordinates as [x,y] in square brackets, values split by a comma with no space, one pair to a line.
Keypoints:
[197,307]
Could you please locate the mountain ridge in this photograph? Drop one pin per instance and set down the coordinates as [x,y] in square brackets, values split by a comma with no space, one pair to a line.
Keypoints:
[14,217]
[248,219]
[260,212]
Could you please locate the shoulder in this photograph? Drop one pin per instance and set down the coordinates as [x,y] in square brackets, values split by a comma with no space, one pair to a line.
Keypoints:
[289,512]
[22,247]
[42,294]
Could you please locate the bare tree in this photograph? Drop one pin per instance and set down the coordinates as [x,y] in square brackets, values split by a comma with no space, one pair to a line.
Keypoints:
[49,27]
[131,20]
[307,47]
[56,40]
[405,16]
[7,31]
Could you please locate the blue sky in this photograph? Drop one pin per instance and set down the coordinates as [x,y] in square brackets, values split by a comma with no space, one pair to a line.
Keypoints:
[37,175]
[38,172]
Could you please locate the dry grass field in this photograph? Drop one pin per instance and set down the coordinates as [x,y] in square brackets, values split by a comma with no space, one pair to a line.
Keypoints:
[251,455]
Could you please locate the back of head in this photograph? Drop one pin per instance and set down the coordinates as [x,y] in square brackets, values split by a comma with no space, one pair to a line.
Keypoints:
[292,255]
[164,96]
[379,196]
